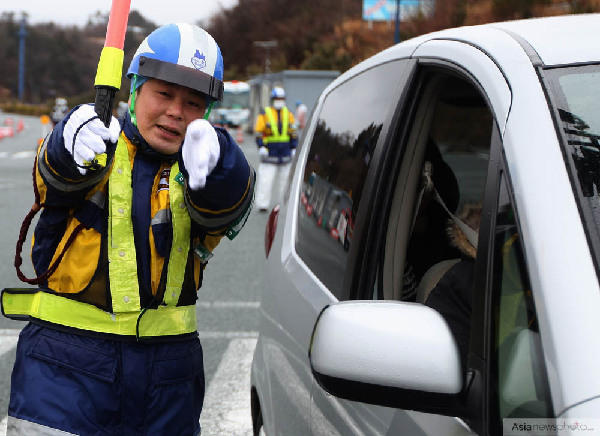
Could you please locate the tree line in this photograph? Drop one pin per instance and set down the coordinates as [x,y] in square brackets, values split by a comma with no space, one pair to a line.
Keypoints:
[61,61]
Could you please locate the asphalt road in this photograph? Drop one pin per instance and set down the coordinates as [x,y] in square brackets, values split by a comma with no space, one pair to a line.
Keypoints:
[228,300]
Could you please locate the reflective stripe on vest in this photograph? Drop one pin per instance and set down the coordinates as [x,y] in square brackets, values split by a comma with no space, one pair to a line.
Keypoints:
[127,317]
[276,136]
[181,239]
[163,321]
[121,248]
[121,252]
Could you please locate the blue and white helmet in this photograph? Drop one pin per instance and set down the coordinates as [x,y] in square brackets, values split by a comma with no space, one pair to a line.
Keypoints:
[277,92]
[180,53]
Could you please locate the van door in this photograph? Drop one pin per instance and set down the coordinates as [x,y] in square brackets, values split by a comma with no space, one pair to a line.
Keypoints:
[437,168]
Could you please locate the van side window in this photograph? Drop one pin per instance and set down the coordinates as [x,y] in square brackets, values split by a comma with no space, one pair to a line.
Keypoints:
[519,374]
[443,173]
[342,146]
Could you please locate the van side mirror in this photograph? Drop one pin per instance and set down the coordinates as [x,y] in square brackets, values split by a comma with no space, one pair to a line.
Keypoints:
[393,354]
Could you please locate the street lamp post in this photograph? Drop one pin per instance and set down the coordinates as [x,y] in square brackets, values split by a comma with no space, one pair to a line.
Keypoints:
[22,34]
[267,46]
[397,29]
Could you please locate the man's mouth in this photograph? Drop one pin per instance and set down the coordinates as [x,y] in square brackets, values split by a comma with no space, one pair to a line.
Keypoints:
[169,130]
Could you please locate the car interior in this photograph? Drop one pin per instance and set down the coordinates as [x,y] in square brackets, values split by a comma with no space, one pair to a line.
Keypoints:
[447,153]
[443,171]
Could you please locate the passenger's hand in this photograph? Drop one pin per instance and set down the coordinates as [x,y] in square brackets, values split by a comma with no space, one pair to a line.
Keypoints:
[84,135]
[200,152]
[263,151]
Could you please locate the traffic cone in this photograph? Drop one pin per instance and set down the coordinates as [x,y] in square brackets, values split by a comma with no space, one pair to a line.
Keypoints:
[239,137]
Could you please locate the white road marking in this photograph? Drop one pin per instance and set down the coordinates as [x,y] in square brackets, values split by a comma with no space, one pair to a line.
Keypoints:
[8,339]
[227,335]
[228,304]
[23,155]
[17,154]
[226,408]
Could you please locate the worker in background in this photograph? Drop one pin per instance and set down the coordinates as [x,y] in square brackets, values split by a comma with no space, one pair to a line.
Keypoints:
[59,110]
[301,114]
[122,109]
[120,249]
[277,139]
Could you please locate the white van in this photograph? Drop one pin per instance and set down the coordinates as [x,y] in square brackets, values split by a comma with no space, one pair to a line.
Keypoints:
[467,300]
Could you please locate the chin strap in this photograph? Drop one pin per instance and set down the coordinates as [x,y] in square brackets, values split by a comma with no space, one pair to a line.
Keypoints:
[132,101]
[208,109]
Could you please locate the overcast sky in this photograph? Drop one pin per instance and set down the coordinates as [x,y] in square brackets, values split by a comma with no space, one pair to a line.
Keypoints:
[76,12]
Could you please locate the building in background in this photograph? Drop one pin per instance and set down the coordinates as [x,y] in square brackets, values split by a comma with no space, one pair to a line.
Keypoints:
[303,85]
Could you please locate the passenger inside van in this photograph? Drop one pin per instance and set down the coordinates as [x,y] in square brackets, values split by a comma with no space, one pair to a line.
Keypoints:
[429,242]
[452,295]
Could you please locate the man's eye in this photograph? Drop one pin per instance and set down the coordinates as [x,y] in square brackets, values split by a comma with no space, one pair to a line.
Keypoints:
[194,104]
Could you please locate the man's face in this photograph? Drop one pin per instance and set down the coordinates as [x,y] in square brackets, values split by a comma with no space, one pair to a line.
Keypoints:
[278,103]
[163,111]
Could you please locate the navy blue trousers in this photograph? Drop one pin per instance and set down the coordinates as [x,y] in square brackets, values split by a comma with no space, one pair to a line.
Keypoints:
[91,386]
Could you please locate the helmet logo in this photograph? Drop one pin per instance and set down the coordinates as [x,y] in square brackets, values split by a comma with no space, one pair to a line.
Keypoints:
[198,60]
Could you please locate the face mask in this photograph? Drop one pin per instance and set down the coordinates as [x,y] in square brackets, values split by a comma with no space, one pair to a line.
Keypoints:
[278,104]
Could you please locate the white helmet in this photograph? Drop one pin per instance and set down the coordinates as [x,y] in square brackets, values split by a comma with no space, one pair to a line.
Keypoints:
[182,54]
[179,53]
[277,92]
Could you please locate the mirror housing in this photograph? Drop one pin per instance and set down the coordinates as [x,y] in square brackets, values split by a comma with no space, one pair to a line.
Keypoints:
[393,354]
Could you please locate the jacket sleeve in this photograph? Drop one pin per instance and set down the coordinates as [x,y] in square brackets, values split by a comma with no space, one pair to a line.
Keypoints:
[57,178]
[293,131]
[259,128]
[226,200]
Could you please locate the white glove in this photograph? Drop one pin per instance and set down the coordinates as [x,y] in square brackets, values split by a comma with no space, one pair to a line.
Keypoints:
[89,140]
[200,151]
[293,152]
[263,151]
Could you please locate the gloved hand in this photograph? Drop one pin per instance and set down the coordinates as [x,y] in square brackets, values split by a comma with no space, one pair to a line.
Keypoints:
[200,152]
[263,151]
[293,152]
[84,135]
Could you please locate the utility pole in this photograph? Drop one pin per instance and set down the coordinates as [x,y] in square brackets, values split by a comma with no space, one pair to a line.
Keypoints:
[22,34]
[397,30]
[267,46]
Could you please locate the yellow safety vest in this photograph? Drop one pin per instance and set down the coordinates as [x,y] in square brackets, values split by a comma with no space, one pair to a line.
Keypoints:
[277,136]
[128,317]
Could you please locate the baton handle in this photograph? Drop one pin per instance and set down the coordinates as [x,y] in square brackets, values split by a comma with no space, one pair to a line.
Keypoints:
[110,65]
[103,105]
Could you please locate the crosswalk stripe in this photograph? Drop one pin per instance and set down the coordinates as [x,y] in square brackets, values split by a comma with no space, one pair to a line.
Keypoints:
[227,403]
[8,340]
[7,343]
[228,304]
[23,155]
[17,154]
[227,335]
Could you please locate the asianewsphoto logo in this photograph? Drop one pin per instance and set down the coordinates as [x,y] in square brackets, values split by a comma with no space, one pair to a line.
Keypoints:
[199,60]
